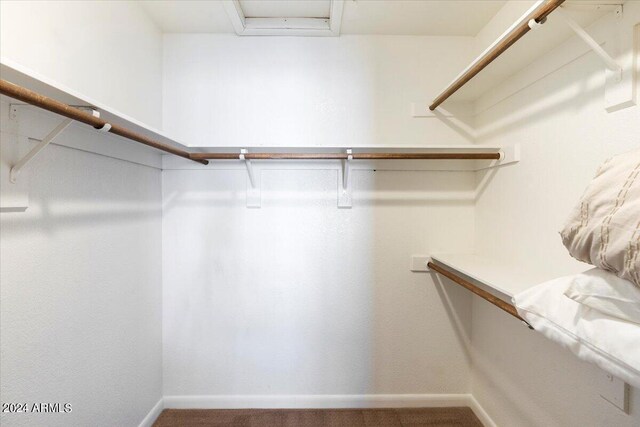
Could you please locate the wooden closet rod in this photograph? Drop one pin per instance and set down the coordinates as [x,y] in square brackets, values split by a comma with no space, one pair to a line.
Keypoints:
[25,95]
[345,156]
[30,97]
[539,14]
[478,291]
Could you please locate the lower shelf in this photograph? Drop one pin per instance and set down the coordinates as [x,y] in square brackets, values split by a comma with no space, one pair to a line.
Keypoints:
[493,281]
[503,305]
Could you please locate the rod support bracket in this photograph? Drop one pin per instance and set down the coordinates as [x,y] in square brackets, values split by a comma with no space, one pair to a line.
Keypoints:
[344,184]
[106,127]
[534,24]
[609,62]
[254,194]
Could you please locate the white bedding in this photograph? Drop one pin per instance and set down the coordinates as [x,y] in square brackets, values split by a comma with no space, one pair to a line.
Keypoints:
[607,293]
[612,344]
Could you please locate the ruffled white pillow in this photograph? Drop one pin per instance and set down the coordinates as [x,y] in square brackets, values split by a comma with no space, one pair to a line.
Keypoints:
[607,293]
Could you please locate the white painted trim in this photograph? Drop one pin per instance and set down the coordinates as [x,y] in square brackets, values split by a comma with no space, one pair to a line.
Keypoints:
[235,14]
[246,26]
[482,415]
[335,16]
[288,24]
[153,414]
[317,401]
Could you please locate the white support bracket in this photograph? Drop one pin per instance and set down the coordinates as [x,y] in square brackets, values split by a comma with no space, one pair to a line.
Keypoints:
[254,195]
[106,127]
[533,24]
[614,68]
[15,169]
[508,155]
[344,182]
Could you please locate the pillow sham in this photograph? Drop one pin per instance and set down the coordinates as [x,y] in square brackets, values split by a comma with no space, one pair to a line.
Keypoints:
[607,293]
[604,228]
[610,343]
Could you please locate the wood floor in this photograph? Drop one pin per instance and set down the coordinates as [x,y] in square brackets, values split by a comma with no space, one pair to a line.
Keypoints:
[413,417]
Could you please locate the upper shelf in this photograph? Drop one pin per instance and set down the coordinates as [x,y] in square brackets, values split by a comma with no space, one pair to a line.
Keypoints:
[19,75]
[532,46]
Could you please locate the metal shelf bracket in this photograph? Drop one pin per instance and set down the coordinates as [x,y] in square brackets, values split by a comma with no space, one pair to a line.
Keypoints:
[15,169]
[609,62]
[254,195]
[344,182]
[42,144]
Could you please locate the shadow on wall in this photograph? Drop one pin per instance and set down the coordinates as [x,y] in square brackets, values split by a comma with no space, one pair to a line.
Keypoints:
[457,303]
[444,189]
[71,198]
[300,297]
[420,331]
[568,89]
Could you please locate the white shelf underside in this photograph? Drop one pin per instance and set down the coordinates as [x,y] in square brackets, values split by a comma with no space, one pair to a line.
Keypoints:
[500,279]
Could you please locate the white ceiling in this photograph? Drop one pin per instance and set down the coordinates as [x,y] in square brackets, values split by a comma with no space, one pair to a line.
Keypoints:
[397,17]
[432,18]
[189,16]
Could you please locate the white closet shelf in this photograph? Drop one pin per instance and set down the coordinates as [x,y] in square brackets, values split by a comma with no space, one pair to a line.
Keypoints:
[17,74]
[28,87]
[396,148]
[534,45]
[496,277]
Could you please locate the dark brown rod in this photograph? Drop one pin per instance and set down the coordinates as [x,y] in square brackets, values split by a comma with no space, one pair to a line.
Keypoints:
[539,14]
[25,95]
[355,156]
[476,290]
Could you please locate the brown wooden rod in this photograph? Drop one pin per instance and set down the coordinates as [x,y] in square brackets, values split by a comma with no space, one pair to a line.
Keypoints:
[344,156]
[25,95]
[476,290]
[539,14]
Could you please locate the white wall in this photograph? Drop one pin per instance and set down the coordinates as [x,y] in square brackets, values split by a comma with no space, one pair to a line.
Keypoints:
[307,91]
[108,51]
[80,273]
[518,376]
[298,297]
[302,298]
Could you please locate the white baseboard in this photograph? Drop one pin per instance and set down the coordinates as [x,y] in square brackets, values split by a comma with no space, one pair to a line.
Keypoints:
[316,401]
[482,415]
[153,414]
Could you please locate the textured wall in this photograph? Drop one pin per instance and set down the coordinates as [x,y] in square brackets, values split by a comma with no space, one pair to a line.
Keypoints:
[300,297]
[80,276]
[308,91]
[108,51]
[565,133]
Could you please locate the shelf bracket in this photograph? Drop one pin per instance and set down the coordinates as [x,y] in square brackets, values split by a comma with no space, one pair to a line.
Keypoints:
[610,63]
[344,182]
[15,169]
[247,163]
[254,196]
